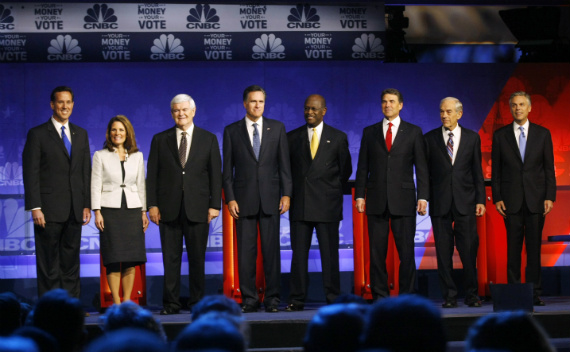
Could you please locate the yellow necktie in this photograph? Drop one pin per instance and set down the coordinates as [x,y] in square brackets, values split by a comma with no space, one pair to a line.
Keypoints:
[314,143]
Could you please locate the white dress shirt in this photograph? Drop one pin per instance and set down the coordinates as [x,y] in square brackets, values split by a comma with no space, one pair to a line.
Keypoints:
[189,134]
[319,131]
[58,125]
[456,139]
[395,125]
[518,132]
[250,129]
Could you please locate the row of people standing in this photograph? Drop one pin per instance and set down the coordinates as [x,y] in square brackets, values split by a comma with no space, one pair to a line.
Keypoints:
[265,172]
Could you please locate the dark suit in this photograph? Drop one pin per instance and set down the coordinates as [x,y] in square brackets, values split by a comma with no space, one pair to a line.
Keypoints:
[523,187]
[257,187]
[59,185]
[317,203]
[455,190]
[183,197]
[386,180]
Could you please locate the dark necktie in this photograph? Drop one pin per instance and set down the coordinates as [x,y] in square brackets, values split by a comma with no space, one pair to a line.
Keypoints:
[66,141]
[182,149]
[450,147]
[256,141]
[389,136]
[522,142]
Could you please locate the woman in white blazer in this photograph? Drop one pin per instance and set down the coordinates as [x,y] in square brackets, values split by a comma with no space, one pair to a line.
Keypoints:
[118,198]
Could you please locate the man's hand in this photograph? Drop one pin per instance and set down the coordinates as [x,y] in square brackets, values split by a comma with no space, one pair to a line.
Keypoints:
[284,204]
[38,217]
[360,205]
[548,205]
[99,222]
[212,214]
[86,216]
[480,210]
[422,207]
[145,221]
[234,209]
[500,205]
[154,214]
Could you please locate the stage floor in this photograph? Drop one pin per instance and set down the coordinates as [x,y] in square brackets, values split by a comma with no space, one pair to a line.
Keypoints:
[287,329]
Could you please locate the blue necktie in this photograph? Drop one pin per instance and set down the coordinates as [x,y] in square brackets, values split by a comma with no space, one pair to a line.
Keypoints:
[256,141]
[66,141]
[522,142]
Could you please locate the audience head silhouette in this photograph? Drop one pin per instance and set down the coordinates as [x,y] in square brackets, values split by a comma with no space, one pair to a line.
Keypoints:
[214,330]
[129,314]
[61,316]
[127,340]
[335,328]
[407,323]
[510,331]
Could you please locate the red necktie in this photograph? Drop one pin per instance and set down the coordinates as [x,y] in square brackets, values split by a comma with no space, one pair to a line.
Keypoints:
[389,136]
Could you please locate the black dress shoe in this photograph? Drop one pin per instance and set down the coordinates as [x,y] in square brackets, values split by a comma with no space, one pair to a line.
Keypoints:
[449,303]
[474,304]
[294,307]
[538,302]
[271,309]
[169,311]
[247,308]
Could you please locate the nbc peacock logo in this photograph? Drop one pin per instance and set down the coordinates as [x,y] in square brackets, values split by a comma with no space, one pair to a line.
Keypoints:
[167,47]
[100,17]
[64,48]
[203,17]
[268,47]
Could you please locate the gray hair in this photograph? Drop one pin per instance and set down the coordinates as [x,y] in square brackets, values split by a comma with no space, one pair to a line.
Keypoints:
[180,98]
[520,94]
[458,104]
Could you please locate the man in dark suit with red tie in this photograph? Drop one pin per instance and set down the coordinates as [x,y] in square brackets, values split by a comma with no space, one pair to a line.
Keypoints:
[385,188]
[184,192]
[457,196]
[57,172]
[257,186]
[320,166]
[524,188]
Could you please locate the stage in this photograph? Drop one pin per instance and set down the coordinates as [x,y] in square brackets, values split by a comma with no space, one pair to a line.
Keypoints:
[284,331]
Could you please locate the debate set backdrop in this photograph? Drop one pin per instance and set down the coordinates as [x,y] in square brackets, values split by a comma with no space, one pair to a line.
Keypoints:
[142,91]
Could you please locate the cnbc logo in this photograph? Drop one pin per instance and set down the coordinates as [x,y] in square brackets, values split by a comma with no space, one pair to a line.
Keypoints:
[367,46]
[303,16]
[6,18]
[203,17]
[100,17]
[167,47]
[64,48]
[268,47]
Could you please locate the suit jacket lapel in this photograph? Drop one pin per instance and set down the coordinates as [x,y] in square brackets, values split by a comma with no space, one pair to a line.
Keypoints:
[305,145]
[380,135]
[442,145]
[194,145]
[513,142]
[400,135]
[57,138]
[264,136]
[245,137]
[173,144]
[323,143]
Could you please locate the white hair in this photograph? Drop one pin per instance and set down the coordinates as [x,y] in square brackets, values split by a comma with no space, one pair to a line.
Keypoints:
[458,104]
[180,98]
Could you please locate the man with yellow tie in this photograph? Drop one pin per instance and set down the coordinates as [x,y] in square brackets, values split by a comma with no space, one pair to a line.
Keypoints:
[320,166]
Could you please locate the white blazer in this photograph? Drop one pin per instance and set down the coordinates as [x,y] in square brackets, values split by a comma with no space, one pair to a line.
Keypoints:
[106,180]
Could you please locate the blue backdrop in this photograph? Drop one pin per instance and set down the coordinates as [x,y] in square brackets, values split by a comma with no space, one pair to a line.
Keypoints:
[142,92]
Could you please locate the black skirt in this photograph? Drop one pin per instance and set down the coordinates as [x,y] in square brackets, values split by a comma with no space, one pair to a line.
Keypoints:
[123,239]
